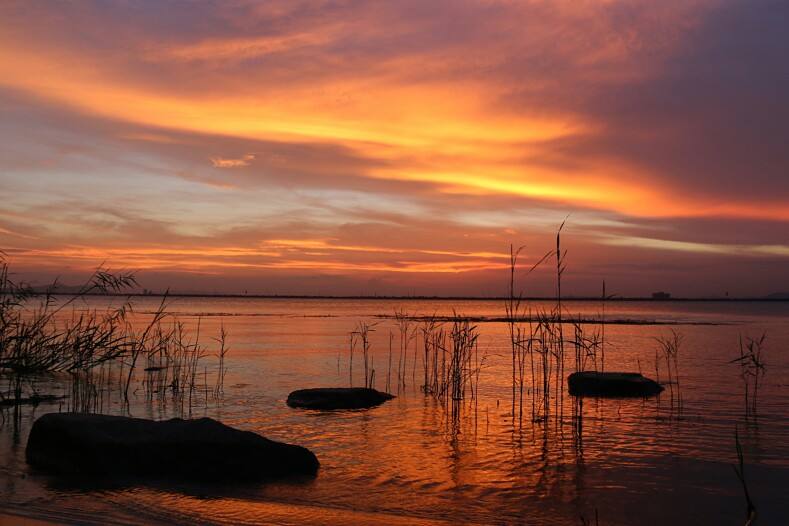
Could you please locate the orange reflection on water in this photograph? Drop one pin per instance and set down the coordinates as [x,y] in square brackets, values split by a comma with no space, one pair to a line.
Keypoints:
[412,460]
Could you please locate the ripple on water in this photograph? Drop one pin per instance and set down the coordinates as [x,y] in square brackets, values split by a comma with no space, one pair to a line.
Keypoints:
[409,462]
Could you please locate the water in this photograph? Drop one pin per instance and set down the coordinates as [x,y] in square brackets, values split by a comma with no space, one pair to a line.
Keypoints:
[409,462]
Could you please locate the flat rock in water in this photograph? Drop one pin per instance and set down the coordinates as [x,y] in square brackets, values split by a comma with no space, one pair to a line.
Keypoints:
[337,398]
[590,383]
[80,444]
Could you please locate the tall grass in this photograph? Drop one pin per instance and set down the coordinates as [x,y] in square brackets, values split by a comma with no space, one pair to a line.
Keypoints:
[433,361]
[219,387]
[523,340]
[407,334]
[604,297]
[588,348]
[739,471]
[520,344]
[669,346]
[451,362]
[101,349]
[463,369]
[543,342]
[559,351]
[361,337]
[37,334]
[389,368]
[752,369]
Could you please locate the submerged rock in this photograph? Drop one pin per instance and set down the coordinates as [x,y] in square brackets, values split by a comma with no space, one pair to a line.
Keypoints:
[590,383]
[337,398]
[204,449]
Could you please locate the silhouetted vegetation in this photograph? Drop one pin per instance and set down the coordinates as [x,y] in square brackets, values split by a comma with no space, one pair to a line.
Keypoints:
[361,336]
[37,334]
[407,334]
[669,347]
[588,522]
[739,470]
[42,334]
[752,368]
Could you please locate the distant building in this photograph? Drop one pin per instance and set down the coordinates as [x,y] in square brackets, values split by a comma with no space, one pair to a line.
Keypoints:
[661,296]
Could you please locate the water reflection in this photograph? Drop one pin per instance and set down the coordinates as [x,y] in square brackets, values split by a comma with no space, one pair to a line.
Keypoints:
[419,459]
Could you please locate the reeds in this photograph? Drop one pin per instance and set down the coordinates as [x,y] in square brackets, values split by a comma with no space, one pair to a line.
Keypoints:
[559,350]
[35,336]
[669,346]
[451,359]
[463,369]
[389,369]
[361,336]
[543,343]
[407,334]
[538,350]
[588,347]
[174,363]
[522,341]
[588,522]
[433,345]
[219,388]
[604,298]
[752,368]
[739,471]
[38,335]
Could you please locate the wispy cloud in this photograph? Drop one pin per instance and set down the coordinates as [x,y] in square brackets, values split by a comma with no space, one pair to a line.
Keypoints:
[15,234]
[234,49]
[221,162]
[696,247]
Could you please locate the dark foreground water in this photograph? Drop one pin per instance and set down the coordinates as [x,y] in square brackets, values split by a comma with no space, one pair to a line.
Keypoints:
[409,462]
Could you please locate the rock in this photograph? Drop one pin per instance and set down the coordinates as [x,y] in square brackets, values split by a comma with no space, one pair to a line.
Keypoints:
[337,398]
[590,383]
[204,449]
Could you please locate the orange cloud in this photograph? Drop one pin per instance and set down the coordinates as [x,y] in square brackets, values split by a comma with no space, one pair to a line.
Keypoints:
[220,162]
[431,120]
[207,259]
[15,234]
[371,138]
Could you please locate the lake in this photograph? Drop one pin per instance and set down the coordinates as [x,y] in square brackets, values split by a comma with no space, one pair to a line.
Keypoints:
[414,461]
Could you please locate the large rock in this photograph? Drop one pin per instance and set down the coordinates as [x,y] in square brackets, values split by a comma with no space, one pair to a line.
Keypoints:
[337,398]
[590,383]
[85,444]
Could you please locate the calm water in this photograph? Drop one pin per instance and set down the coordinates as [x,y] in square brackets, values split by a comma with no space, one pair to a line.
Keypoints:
[407,462]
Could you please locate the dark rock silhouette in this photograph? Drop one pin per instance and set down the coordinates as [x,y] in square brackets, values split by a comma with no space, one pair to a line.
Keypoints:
[78,444]
[591,383]
[337,398]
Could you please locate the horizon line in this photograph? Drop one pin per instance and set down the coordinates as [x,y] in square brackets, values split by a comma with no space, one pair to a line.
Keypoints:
[419,297]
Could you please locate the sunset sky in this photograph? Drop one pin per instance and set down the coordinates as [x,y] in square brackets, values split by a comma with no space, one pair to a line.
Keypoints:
[397,147]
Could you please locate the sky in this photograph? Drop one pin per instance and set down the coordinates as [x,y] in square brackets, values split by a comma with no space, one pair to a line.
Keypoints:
[397,148]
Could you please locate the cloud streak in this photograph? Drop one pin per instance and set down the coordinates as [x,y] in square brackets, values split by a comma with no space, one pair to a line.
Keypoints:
[220,162]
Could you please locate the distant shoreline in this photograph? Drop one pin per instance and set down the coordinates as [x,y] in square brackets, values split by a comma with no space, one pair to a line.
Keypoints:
[419,298]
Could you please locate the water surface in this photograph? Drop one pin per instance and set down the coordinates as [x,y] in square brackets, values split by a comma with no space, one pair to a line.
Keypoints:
[409,462]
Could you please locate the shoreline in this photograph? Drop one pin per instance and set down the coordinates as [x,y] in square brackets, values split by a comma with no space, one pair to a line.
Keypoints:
[420,298]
